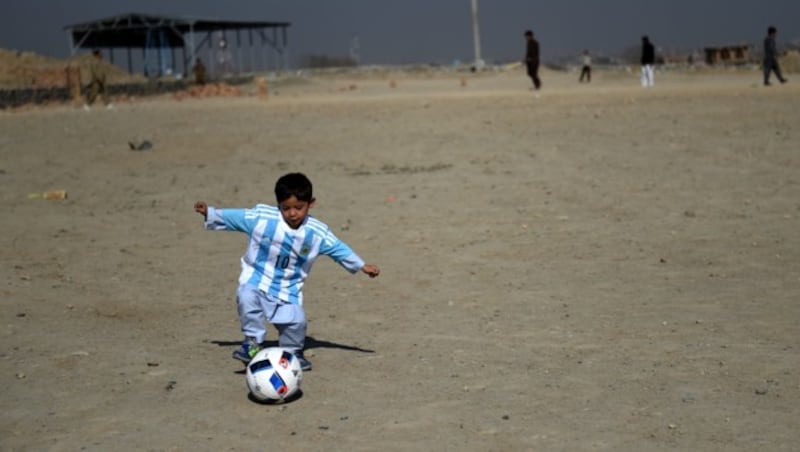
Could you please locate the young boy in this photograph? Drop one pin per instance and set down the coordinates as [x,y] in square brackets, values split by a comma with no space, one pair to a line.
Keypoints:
[284,243]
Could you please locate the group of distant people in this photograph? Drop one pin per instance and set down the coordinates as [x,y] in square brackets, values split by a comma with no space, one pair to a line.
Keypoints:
[97,86]
[647,61]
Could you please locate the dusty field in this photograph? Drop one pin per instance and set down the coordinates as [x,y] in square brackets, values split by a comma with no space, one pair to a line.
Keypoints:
[601,268]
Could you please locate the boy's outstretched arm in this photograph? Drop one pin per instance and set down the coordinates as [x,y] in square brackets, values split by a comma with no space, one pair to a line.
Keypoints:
[217,219]
[371,270]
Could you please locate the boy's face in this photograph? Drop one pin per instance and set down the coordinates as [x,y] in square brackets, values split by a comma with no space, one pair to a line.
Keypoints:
[294,211]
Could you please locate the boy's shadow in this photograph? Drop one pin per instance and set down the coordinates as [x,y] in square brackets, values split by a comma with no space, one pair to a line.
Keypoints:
[311,343]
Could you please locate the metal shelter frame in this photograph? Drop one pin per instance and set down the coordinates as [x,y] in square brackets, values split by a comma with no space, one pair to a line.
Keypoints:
[156,32]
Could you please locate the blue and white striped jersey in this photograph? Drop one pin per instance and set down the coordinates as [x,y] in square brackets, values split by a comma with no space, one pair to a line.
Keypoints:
[278,258]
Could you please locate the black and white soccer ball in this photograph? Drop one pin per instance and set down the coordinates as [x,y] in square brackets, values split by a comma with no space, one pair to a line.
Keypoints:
[274,375]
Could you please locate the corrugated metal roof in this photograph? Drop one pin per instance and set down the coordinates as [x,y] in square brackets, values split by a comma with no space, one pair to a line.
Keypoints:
[133,29]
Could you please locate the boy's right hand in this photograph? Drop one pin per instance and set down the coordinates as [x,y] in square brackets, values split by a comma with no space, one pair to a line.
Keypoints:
[201,208]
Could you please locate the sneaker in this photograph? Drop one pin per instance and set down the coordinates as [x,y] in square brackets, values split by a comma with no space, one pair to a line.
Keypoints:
[304,363]
[247,351]
[86,107]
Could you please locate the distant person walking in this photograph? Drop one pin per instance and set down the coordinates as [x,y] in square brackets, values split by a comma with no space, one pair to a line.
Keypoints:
[199,70]
[586,71]
[532,59]
[648,59]
[771,57]
[97,81]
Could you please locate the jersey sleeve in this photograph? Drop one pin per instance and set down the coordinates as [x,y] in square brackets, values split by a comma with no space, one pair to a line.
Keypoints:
[227,220]
[340,252]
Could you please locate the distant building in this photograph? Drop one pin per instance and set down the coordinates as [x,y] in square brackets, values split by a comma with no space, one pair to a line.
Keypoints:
[738,54]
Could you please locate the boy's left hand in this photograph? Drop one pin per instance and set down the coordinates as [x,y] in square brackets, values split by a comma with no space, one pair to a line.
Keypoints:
[201,208]
[371,270]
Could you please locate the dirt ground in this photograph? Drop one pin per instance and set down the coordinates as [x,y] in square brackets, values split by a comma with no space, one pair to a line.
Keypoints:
[604,267]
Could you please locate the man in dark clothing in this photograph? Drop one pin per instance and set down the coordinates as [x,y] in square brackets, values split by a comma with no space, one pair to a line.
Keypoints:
[532,59]
[648,58]
[771,57]
[199,70]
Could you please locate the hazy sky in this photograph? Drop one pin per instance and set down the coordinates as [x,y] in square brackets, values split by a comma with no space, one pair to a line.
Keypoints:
[412,31]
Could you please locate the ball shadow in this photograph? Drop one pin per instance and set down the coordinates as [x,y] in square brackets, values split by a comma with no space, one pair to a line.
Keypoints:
[296,396]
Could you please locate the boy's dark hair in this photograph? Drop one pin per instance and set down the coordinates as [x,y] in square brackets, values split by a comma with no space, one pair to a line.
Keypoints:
[772,30]
[293,184]
[528,33]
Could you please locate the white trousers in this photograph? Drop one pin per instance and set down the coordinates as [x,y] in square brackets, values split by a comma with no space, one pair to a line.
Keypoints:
[647,75]
[256,308]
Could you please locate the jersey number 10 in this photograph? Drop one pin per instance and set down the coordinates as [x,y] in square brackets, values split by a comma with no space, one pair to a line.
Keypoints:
[282,261]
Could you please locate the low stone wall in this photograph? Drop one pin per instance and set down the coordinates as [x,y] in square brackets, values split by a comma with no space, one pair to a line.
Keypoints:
[10,98]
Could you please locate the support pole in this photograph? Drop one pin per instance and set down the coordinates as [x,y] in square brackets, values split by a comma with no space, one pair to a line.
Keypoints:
[252,57]
[192,57]
[71,43]
[476,35]
[210,53]
[285,49]
[275,48]
[239,52]
[160,60]
[263,51]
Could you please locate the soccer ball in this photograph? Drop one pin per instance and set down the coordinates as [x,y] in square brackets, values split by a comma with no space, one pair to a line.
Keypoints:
[274,375]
